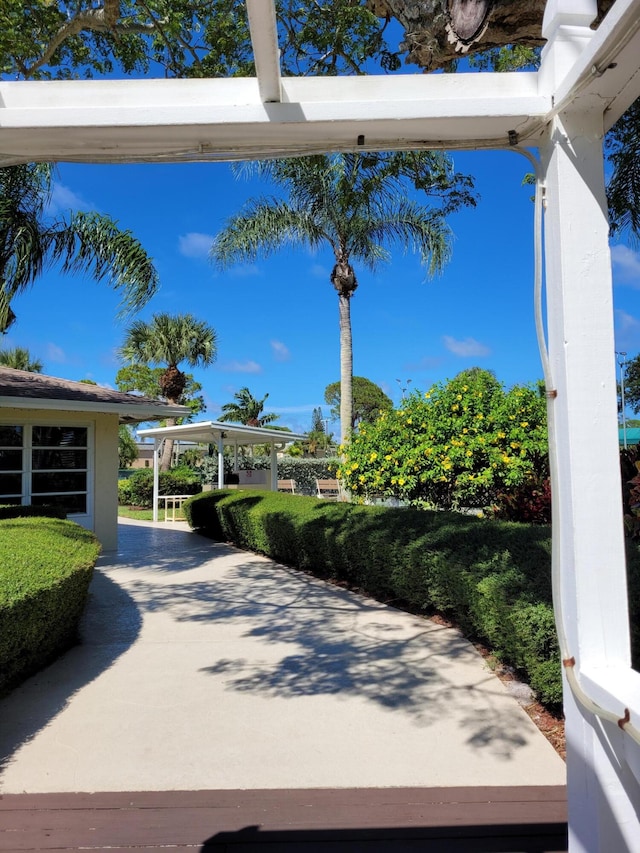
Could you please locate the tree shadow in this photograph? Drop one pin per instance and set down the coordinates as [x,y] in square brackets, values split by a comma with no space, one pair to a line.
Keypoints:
[312,638]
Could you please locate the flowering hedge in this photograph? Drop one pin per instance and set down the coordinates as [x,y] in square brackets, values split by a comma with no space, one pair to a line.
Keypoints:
[459,445]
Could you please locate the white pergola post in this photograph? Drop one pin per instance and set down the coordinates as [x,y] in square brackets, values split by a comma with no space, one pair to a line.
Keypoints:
[157,443]
[604,798]
[220,461]
[274,468]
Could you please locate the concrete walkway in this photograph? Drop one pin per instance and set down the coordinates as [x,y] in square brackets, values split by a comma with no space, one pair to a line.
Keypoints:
[205,667]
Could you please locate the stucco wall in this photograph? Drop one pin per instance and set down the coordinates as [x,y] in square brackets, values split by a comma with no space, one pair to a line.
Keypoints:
[103,475]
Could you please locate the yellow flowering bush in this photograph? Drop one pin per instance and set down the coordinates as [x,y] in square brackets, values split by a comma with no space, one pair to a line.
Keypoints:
[463,443]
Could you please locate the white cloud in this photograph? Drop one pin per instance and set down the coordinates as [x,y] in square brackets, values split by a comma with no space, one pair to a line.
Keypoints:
[244,271]
[63,199]
[195,245]
[241,367]
[295,410]
[318,271]
[426,363]
[626,263]
[466,348]
[56,353]
[626,323]
[280,351]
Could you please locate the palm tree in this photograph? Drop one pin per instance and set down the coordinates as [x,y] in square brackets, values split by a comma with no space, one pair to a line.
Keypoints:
[247,410]
[168,341]
[20,359]
[31,242]
[354,204]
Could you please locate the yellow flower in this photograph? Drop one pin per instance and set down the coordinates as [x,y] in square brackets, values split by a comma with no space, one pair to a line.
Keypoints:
[502,435]
[455,407]
[361,478]
[469,453]
[458,396]
[401,481]
[373,457]
[388,457]
[480,416]
[524,424]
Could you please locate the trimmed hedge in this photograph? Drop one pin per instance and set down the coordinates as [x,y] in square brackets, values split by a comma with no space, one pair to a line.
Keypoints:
[137,490]
[492,577]
[46,565]
[18,511]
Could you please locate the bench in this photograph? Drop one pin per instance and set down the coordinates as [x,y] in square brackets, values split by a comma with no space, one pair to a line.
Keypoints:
[288,486]
[329,490]
[173,505]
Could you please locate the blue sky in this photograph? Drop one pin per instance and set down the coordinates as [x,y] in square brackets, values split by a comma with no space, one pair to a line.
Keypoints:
[277,320]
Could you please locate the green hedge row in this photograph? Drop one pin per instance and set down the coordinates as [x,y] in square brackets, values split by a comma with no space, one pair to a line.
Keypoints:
[45,569]
[18,511]
[492,577]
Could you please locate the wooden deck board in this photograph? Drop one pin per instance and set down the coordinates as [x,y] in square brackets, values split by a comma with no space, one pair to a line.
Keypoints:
[381,820]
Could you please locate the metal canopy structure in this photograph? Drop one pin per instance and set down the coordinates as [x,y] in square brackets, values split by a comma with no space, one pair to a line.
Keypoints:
[557,116]
[223,435]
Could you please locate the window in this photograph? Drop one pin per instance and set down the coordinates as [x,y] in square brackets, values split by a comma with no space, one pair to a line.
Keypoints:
[45,464]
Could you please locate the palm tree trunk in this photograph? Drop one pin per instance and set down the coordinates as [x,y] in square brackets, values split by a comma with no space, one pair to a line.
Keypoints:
[346,367]
[167,448]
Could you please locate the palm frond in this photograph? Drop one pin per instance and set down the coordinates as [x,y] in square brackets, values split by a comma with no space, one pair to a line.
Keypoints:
[93,243]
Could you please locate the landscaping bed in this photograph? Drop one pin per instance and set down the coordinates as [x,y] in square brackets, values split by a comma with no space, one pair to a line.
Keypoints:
[46,565]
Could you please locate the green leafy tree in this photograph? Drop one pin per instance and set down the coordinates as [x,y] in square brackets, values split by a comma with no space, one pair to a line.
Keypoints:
[368,400]
[40,39]
[169,341]
[460,444]
[127,448]
[20,359]
[90,243]
[247,409]
[356,206]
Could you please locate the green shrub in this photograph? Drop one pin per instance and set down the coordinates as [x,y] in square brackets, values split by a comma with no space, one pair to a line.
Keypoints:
[137,490]
[492,577]
[45,570]
[17,511]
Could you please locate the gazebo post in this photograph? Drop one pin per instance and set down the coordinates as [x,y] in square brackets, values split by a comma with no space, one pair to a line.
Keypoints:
[274,468]
[220,461]
[157,442]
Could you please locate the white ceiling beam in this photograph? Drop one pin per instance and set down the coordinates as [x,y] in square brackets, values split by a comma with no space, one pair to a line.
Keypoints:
[175,120]
[266,55]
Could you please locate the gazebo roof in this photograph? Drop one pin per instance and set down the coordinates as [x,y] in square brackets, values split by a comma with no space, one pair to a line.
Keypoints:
[210,432]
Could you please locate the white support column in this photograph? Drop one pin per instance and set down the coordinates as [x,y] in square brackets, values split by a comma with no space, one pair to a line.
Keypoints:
[604,798]
[274,467]
[220,462]
[157,444]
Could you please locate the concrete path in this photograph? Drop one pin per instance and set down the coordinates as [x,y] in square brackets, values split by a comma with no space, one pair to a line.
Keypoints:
[205,667]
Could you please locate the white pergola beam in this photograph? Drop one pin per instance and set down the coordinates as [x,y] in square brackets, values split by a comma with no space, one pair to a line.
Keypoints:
[606,71]
[264,40]
[179,120]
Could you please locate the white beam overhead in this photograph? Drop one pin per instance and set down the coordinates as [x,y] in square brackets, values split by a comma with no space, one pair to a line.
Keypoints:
[607,69]
[264,40]
[178,120]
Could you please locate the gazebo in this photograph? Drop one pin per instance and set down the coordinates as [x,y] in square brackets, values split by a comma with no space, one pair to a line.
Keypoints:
[221,435]
[556,117]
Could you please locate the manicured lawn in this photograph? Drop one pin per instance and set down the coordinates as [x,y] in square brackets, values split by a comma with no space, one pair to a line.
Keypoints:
[145,514]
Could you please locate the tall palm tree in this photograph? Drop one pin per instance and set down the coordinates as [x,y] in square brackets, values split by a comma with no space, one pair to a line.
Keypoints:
[247,410]
[169,341]
[356,205]
[31,242]
[20,358]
